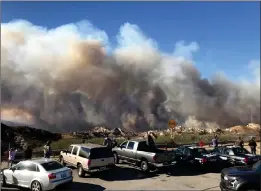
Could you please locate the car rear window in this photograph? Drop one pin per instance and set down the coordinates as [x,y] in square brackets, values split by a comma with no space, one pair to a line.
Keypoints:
[49,166]
[102,152]
[199,151]
[240,151]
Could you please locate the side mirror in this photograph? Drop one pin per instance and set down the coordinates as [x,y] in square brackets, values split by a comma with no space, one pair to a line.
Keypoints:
[12,169]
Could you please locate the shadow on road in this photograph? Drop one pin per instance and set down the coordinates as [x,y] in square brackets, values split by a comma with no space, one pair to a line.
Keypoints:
[75,186]
[82,186]
[123,173]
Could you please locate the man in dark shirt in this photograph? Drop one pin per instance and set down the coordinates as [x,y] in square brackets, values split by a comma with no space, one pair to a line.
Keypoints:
[28,153]
[252,145]
[240,142]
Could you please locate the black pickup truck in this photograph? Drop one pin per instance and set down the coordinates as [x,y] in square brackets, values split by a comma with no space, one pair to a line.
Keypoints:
[241,178]
[137,152]
[235,155]
[197,157]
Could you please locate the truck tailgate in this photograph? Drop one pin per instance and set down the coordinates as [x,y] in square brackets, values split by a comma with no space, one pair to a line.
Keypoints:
[164,157]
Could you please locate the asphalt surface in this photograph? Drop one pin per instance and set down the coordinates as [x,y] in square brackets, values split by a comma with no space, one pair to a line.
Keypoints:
[124,177]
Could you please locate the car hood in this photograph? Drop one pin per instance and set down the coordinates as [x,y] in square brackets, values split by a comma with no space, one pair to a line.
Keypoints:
[238,171]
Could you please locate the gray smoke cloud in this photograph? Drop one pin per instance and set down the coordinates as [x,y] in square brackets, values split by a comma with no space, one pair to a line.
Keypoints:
[72,77]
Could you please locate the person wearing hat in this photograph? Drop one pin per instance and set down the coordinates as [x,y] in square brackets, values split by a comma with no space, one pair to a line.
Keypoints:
[252,144]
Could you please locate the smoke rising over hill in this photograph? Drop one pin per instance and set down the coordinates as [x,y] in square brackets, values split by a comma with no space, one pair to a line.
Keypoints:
[71,76]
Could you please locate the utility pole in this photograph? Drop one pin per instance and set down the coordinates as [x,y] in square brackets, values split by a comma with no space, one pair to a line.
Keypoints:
[251,116]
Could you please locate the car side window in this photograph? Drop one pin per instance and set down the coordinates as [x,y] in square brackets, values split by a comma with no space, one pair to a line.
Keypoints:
[70,149]
[179,151]
[226,151]
[130,145]
[186,152]
[75,149]
[31,167]
[124,144]
[84,152]
[20,166]
[231,152]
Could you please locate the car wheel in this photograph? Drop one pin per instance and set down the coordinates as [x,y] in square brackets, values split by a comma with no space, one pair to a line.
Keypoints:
[116,158]
[36,186]
[62,161]
[4,181]
[144,166]
[80,170]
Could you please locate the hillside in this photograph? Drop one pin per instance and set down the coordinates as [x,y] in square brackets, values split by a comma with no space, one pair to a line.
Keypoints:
[21,136]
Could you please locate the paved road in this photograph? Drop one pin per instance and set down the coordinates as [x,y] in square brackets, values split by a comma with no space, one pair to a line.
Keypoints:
[124,177]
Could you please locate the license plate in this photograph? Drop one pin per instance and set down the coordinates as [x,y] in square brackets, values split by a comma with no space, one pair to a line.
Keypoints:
[255,159]
[63,175]
[212,160]
[103,168]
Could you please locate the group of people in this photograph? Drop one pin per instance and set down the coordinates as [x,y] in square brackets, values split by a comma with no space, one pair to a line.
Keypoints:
[239,142]
[27,153]
[252,144]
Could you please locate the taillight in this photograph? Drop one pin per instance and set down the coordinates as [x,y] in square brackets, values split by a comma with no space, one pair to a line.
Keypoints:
[154,158]
[204,160]
[246,160]
[89,162]
[51,176]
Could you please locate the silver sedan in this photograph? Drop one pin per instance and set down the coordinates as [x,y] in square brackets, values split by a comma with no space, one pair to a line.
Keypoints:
[37,175]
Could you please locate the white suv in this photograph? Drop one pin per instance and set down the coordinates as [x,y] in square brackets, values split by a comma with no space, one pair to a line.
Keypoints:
[88,158]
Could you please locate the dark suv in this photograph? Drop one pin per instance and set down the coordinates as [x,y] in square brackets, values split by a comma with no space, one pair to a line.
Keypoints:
[243,178]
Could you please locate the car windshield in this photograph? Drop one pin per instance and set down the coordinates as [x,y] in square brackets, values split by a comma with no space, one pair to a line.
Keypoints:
[53,165]
[257,166]
[199,151]
[239,150]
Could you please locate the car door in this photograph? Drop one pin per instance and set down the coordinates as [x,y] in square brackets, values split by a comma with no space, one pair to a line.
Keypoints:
[17,176]
[67,155]
[121,150]
[30,172]
[179,154]
[223,153]
[187,155]
[129,151]
[73,157]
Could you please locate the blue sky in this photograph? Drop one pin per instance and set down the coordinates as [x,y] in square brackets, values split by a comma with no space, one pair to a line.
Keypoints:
[228,33]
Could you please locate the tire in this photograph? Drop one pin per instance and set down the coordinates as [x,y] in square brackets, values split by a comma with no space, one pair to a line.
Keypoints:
[144,166]
[80,171]
[36,186]
[62,161]
[116,158]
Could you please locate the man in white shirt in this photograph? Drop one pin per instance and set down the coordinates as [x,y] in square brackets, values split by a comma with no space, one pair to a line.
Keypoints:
[11,157]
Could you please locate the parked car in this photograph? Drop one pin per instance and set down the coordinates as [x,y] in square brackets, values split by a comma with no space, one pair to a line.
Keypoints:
[243,178]
[236,155]
[87,158]
[37,175]
[197,157]
[137,152]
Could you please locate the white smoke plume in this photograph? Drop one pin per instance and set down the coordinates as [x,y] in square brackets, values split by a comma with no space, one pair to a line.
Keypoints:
[72,77]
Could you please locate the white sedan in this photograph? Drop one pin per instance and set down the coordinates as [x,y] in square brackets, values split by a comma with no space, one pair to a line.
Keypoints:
[37,175]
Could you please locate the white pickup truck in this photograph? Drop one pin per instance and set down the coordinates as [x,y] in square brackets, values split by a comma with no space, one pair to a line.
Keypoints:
[87,158]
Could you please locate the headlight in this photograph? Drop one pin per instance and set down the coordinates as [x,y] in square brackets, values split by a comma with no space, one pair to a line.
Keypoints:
[225,178]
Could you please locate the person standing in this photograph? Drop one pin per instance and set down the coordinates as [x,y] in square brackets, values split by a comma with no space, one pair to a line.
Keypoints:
[239,142]
[107,142]
[47,150]
[215,141]
[201,143]
[28,152]
[252,144]
[11,157]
